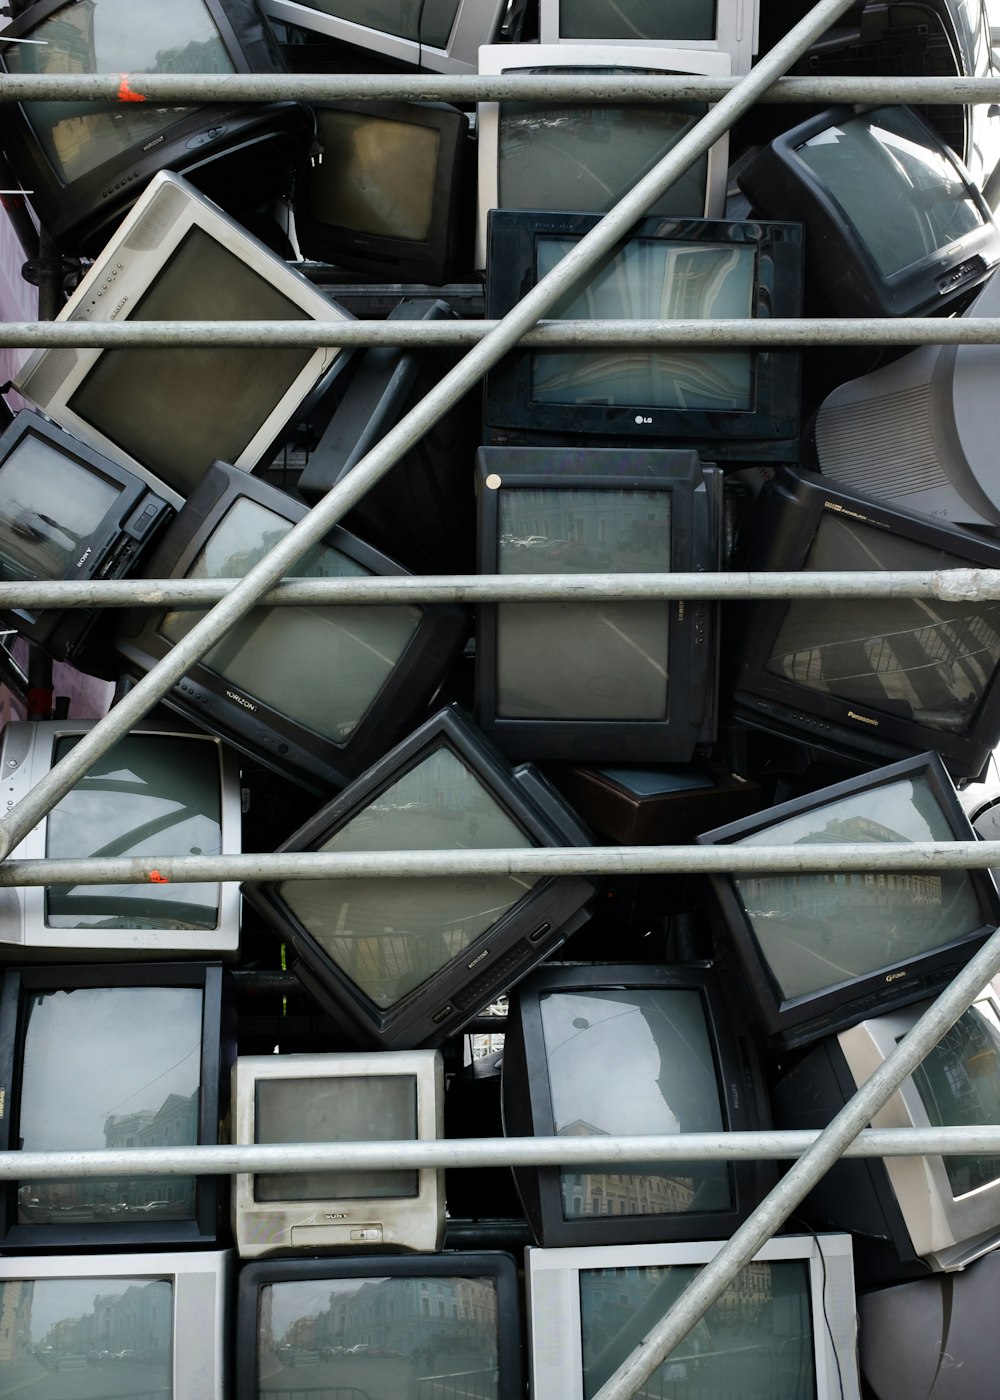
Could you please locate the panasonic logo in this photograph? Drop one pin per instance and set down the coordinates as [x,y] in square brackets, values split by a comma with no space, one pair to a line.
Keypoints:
[862,719]
[241,700]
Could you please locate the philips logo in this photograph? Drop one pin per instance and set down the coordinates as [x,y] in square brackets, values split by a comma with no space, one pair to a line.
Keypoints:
[241,700]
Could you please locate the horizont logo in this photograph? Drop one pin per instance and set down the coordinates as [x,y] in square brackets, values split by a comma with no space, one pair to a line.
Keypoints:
[241,700]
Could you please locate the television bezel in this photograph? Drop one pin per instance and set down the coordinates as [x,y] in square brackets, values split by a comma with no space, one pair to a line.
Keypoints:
[26,750]
[839,265]
[340,1223]
[736,32]
[533,926]
[167,211]
[769,427]
[200,1283]
[204,1228]
[273,738]
[796,1021]
[669,60]
[527,1103]
[787,522]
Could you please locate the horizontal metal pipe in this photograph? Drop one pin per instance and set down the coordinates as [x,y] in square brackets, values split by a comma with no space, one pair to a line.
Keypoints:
[488,1152]
[421,335]
[921,856]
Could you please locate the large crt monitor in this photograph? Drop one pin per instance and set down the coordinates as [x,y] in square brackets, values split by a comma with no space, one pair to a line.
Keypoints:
[894,224]
[617,680]
[386,1096]
[597,1050]
[107,1325]
[162,790]
[815,953]
[315,692]
[405,962]
[930,1212]
[166,412]
[395,1325]
[785,1326]
[584,156]
[726,403]
[122,1056]
[697,24]
[881,677]
[68,512]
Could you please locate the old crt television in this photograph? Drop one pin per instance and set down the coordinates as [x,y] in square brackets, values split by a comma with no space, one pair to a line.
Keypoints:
[119,1324]
[785,1326]
[68,512]
[895,225]
[163,790]
[726,403]
[400,1325]
[731,27]
[440,35]
[938,1212]
[595,1050]
[314,692]
[917,431]
[384,1096]
[884,677]
[403,963]
[121,1056]
[83,163]
[615,680]
[392,195]
[166,412]
[815,953]
[583,156]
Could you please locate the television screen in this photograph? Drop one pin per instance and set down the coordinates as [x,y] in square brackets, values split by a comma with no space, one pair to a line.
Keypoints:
[701,24]
[440,35]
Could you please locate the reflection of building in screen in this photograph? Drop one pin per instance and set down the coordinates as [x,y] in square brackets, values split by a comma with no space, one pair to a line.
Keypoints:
[959,1085]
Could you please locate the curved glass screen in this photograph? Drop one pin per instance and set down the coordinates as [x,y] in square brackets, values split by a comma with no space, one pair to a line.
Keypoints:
[49,508]
[377,175]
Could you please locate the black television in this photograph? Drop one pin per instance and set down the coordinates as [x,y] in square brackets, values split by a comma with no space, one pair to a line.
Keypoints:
[429,1325]
[814,953]
[315,692]
[68,512]
[612,680]
[119,1056]
[391,190]
[83,163]
[895,225]
[882,677]
[606,1049]
[732,404]
[404,963]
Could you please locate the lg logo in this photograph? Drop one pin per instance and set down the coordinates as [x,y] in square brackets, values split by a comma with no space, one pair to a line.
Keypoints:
[641,418]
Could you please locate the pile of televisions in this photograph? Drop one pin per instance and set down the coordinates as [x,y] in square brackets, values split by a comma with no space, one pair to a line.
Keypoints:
[639,1005]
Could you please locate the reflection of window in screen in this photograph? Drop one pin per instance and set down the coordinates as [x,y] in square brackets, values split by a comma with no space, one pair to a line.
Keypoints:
[320,666]
[377,175]
[660,280]
[636,20]
[959,1085]
[370,1108]
[428,23]
[389,936]
[819,930]
[151,795]
[583,660]
[671,1086]
[919,658]
[49,508]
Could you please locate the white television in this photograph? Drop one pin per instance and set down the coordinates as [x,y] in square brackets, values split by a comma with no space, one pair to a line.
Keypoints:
[729,25]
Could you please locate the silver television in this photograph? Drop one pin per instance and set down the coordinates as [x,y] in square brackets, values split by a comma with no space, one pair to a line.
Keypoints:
[729,25]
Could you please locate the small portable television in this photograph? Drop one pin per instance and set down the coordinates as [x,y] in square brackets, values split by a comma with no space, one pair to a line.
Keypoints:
[813,954]
[728,404]
[139,1324]
[785,1326]
[405,962]
[166,412]
[393,192]
[82,164]
[385,1096]
[918,1213]
[895,225]
[121,1056]
[607,1049]
[882,677]
[315,692]
[392,1324]
[68,512]
[162,790]
[729,25]
[611,680]
[584,156]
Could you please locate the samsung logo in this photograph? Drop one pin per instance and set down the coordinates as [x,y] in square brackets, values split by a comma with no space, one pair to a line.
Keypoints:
[241,700]
[862,719]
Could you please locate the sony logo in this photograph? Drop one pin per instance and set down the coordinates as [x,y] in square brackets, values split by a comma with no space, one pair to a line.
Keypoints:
[335,1215]
[241,700]
[83,557]
[862,719]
